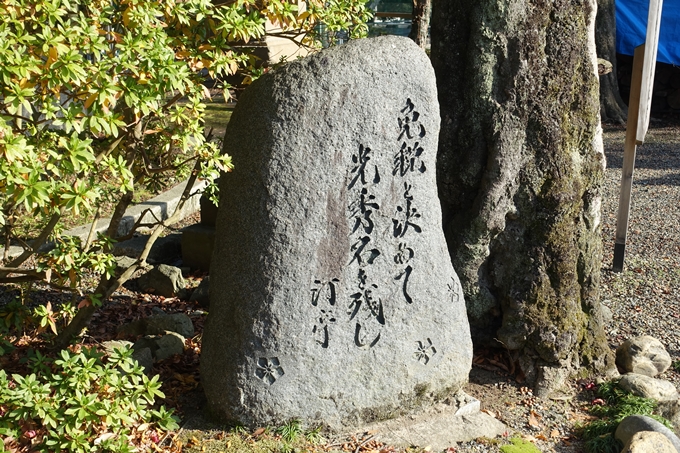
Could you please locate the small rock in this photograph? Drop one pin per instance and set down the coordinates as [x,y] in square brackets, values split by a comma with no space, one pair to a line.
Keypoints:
[144,358]
[670,410]
[649,442]
[202,293]
[148,342]
[607,315]
[168,345]
[648,387]
[164,280]
[159,324]
[466,404]
[122,263]
[176,322]
[133,329]
[643,355]
[109,346]
[165,250]
[439,430]
[637,423]
[161,346]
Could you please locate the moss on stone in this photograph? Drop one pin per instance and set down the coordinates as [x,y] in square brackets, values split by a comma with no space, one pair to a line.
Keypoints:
[420,397]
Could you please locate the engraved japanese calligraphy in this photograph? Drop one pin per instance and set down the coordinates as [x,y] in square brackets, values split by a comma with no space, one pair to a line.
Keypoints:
[324,298]
[330,260]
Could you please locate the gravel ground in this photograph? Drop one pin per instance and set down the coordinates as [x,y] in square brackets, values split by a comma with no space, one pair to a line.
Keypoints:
[644,299]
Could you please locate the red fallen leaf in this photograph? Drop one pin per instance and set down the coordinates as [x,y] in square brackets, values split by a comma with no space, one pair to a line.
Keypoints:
[84,303]
[590,385]
[598,402]
[258,432]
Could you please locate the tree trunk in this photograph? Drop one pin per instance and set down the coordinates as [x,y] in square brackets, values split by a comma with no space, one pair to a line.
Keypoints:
[420,21]
[612,107]
[520,166]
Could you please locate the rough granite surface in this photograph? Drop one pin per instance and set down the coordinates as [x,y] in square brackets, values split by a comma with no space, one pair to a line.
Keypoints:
[333,298]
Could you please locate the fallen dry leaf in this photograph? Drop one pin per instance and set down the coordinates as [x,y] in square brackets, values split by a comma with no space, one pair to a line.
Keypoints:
[533,420]
[489,413]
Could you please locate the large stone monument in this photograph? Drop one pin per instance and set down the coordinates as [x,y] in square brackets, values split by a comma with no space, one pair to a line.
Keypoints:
[333,298]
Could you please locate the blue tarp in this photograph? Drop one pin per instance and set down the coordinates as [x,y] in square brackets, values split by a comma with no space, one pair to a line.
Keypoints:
[631,28]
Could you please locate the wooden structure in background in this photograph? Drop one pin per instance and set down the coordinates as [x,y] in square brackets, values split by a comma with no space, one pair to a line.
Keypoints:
[639,106]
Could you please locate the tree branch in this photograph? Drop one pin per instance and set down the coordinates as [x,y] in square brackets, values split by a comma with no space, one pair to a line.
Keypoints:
[37,243]
[107,287]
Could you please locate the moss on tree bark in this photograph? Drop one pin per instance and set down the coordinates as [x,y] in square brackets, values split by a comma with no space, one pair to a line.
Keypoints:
[520,167]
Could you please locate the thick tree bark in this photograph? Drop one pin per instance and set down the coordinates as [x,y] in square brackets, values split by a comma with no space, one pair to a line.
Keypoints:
[420,21]
[520,166]
[612,107]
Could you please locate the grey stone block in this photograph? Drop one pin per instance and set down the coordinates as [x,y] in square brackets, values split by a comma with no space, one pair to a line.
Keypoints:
[208,211]
[165,250]
[144,358]
[168,345]
[202,293]
[333,298]
[175,322]
[438,427]
[122,263]
[197,246]
[161,346]
[164,280]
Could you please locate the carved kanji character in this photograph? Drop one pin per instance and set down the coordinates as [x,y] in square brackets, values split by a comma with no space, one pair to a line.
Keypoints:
[408,159]
[360,161]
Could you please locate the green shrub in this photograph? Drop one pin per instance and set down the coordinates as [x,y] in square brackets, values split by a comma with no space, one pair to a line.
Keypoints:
[80,403]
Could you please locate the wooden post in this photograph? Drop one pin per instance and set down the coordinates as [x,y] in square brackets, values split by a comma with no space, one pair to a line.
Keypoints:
[628,159]
[648,68]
